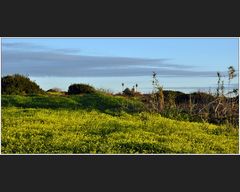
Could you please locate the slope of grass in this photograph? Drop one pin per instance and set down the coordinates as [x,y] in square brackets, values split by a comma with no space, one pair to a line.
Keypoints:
[98,101]
[68,130]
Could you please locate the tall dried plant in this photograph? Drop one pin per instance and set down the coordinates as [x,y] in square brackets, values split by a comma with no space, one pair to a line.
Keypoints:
[157,94]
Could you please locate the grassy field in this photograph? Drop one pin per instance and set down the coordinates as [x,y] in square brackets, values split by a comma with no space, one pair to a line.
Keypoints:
[100,123]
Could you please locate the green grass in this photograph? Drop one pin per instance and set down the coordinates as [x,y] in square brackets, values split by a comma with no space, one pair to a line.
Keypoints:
[102,102]
[103,124]
[55,93]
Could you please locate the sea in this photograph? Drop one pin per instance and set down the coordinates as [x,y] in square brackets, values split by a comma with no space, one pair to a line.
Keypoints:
[144,83]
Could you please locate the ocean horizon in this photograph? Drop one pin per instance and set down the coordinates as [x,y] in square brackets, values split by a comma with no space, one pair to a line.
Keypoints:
[114,84]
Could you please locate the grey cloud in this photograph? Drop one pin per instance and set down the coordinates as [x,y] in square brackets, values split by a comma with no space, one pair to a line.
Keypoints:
[67,50]
[66,64]
[32,47]
[20,45]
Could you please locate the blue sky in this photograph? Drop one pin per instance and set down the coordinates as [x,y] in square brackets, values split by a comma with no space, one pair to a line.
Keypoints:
[106,62]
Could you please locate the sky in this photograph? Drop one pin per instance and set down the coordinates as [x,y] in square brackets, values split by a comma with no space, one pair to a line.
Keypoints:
[180,63]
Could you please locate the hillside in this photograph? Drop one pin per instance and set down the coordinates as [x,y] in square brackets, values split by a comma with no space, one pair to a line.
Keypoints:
[100,123]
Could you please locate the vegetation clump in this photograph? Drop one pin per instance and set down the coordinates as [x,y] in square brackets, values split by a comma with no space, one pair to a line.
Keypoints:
[80,88]
[128,92]
[19,85]
[130,122]
[49,131]
[55,89]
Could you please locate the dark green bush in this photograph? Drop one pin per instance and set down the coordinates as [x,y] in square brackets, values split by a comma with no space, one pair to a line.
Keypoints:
[80,88]
[19,85]
[128,92]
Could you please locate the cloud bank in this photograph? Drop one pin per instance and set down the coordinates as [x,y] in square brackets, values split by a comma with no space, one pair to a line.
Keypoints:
[33,60]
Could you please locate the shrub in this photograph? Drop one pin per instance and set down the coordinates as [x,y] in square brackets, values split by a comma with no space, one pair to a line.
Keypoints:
[80,88]
[105,91]
[128,92]
[19,85]
[55,89]
[201,97]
